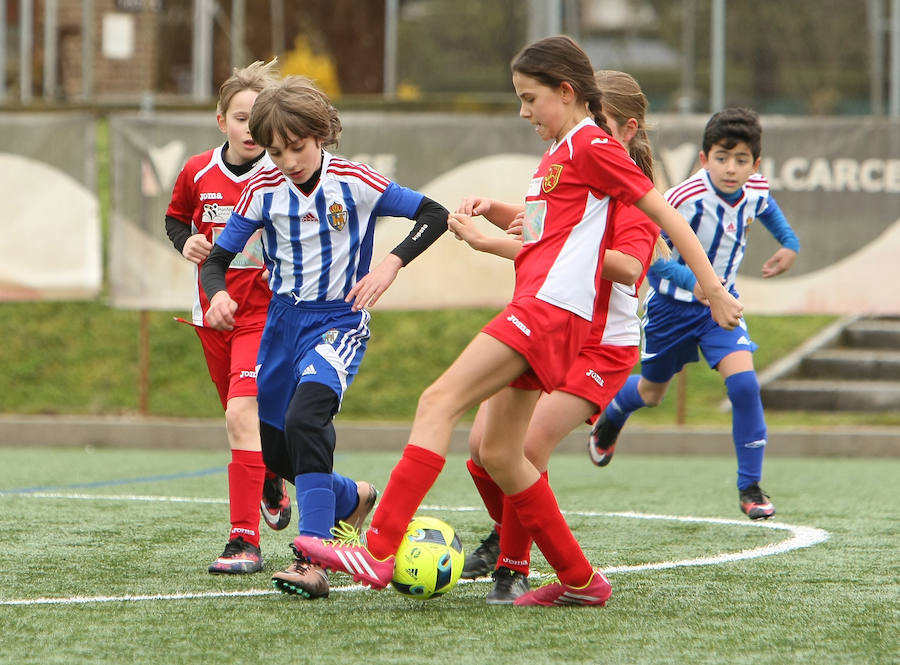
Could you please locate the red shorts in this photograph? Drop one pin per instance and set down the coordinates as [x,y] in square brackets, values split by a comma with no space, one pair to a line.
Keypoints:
[599,372]
[548,336]
[231,359]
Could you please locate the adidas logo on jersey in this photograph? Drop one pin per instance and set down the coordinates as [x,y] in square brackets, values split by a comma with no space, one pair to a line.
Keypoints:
[743,340]
[309,370]
[731,228]
[309,217]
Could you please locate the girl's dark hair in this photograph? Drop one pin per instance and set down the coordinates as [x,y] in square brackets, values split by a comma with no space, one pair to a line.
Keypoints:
[731,125]
[294,106]
[553,61]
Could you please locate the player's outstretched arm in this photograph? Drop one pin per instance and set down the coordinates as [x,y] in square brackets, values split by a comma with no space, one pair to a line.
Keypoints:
[724,308]
[498,213]
[367,291]
[781,261]
[773,219]
[465,228]
[431,223]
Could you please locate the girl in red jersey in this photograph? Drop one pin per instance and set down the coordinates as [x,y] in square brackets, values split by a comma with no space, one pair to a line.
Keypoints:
[602,365]
[581,182]
[206,190]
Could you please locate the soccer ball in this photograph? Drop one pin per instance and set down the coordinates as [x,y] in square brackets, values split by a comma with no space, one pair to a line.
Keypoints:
[429,561]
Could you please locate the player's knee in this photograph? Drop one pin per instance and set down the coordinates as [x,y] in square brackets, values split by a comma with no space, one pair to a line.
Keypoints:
[274,450]
[653,401]
[742,387]
[436,402]
[312,407]
[309,430]
[653,397]
[242,424]
[475,449]
[494,459]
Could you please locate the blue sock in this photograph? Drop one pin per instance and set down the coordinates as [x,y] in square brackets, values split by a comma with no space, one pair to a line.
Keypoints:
[748,426]
[346,495]
[315,499]
[627,401]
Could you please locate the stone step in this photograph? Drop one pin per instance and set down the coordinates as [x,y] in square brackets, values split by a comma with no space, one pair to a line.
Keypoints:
[831,395]
[880,333]
[851,363]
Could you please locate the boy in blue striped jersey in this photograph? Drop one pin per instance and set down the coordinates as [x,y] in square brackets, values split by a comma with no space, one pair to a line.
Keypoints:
[720,202]
[317,213]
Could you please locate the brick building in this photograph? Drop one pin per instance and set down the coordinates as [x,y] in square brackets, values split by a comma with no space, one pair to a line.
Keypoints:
[122,56]
[147,46]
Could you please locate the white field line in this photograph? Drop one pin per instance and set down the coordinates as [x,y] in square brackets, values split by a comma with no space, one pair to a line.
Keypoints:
[800,537]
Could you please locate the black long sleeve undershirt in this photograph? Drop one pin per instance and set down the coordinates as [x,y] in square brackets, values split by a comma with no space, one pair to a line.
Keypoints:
[178,232]
[431,222]
[212,273]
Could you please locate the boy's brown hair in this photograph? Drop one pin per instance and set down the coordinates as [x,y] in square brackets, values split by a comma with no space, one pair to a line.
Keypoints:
[294,106]
[252,77]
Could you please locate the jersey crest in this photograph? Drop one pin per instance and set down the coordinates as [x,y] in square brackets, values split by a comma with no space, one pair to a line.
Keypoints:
[552,178]
[337,216]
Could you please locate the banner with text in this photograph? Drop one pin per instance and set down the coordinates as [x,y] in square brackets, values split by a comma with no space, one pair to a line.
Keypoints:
[837,181]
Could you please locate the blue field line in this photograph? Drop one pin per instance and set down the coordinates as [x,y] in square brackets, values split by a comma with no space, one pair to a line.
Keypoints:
[121,481]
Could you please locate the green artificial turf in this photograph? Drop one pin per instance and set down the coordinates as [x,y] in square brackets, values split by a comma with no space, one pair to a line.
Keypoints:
[121,540]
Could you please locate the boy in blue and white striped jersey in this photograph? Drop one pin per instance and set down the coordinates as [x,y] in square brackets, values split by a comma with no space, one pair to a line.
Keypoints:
[720,202]
[317,213]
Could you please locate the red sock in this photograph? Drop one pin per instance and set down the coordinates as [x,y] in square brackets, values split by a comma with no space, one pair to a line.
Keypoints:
[539,513]
[245,480]
[410,481]
[490,492]
[515,541]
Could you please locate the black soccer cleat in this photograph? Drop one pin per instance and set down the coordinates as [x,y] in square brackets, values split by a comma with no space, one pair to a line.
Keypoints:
[755,503]
[275,505]
[602,440]
[483,558]
[239,558]
[508,585]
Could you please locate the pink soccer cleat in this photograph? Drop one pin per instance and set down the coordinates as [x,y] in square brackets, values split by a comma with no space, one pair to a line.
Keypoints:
[346,553]
[596,592]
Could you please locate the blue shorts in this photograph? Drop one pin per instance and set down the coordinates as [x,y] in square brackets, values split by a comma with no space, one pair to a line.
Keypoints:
[672,332]
[322,342]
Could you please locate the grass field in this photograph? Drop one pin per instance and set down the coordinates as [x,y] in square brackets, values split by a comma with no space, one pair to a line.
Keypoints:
[83,376]
[106,553]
